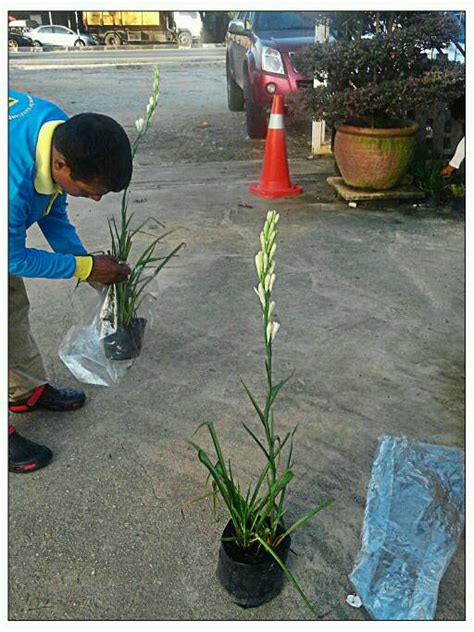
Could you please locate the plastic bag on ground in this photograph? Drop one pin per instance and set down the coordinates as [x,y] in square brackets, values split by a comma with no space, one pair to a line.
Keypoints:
[101,351]
[413,521]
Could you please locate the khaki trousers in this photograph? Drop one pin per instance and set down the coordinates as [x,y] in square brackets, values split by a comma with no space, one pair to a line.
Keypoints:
[25,366]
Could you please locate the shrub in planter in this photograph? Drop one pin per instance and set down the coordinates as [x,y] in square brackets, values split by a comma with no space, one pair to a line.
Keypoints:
[124,299]
[256,540]
[375,74]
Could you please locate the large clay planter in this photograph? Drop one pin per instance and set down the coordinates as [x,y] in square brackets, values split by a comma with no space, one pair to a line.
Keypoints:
[374,158]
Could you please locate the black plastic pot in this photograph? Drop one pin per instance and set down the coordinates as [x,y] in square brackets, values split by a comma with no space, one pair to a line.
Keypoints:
[459,204]
[432,199]
[250,583]
[126,342]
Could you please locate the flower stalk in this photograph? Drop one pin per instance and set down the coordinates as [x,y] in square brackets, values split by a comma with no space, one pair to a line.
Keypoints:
[258,513]
[127,296]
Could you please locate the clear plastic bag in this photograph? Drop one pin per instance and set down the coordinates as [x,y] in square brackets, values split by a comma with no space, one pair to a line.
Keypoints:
[413,520]
[102,351]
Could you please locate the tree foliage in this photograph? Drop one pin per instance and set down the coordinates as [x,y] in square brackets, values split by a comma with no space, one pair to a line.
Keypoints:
[378,66]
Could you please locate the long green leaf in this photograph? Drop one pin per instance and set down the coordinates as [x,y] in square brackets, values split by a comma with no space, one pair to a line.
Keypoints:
[254,402]
[287,572]
[310,514]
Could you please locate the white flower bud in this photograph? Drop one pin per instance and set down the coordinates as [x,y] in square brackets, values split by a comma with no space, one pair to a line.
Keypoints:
[271,269]
[139,124]
[265,261]
[274,330]
[271,309]
[272,251]
[148,108]
[151,102]
[271,239]
[271,283]
[261,294]
[259,263]
[277,217]
[267,282]
[262,241]
[269,332]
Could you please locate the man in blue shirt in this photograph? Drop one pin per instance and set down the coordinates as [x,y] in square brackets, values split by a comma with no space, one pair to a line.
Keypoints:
[50,156]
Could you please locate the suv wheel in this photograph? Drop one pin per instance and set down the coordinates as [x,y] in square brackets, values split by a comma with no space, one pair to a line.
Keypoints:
[79,43]
[255,115]
[235,94]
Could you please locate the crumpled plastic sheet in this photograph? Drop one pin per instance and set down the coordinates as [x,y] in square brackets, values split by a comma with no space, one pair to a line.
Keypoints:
[413,521]
[82,348]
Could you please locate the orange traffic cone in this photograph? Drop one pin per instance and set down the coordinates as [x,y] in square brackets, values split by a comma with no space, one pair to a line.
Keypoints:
[275,176]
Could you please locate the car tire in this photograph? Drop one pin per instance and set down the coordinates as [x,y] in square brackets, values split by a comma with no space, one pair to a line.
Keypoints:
[37,44]
[185,39]
[79,43]
[12,44]
[255,115]
[112,39]
[235,94]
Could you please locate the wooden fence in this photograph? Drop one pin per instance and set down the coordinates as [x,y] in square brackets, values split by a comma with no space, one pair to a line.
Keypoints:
[438,131]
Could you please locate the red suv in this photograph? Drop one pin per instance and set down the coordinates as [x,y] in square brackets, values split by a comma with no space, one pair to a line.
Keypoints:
[260,46]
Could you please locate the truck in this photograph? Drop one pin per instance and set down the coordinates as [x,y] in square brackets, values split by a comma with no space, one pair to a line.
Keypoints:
[114,28]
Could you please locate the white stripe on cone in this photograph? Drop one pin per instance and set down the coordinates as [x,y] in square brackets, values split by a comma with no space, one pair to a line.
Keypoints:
[276,121]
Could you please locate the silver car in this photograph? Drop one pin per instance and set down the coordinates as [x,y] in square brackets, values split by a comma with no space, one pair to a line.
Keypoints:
[55,35]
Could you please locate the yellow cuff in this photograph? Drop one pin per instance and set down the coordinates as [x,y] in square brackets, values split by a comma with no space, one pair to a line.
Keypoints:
[83,267]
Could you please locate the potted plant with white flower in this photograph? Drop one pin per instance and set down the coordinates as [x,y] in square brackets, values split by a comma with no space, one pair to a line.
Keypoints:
[124,298]
[256,541]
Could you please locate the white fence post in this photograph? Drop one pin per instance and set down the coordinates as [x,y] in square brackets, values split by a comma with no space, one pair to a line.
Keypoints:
[318,134]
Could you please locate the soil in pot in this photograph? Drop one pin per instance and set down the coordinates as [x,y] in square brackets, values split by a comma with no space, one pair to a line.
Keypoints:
[126,342]
[250,576]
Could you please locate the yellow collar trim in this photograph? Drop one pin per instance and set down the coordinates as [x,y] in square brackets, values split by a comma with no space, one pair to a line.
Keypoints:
[44,182]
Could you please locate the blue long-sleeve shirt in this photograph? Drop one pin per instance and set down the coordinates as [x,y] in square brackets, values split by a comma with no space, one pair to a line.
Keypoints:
[33,197]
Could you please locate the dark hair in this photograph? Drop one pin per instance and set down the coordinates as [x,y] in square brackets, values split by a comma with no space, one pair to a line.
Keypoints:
[95,146]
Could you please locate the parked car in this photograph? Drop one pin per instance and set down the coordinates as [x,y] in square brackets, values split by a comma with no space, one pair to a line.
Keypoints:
[16,41]
[55,35]
[260,47]
[21,26]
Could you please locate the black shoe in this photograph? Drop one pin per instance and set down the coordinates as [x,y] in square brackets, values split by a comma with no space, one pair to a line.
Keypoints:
[26,456]
[50,398]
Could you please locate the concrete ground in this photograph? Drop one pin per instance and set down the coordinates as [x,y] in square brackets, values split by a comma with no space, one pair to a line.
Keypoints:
[371,305]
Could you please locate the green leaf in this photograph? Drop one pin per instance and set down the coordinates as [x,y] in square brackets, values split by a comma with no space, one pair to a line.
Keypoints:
[254,402]
[310,514]
[276,389]
[287,572]
[257,441]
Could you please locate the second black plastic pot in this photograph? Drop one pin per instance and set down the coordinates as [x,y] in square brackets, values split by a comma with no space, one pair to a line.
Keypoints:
[126,342]
[251,584]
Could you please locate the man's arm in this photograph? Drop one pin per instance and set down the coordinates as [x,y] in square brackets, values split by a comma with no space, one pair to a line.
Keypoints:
[30,262]
[33,263]
[58,230]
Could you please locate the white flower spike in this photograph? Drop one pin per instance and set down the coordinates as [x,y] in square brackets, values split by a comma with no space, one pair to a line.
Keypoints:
[139,124]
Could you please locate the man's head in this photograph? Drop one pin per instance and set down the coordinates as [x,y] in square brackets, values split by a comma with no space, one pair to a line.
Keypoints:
[91,155]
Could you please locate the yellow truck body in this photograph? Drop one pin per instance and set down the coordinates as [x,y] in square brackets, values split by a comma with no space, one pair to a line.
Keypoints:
[116,27]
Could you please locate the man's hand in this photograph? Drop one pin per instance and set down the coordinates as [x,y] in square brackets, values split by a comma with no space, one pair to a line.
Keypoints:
[107,269]
[447,171]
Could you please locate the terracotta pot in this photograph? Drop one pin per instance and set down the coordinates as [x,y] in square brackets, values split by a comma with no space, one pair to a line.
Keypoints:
[374,158]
